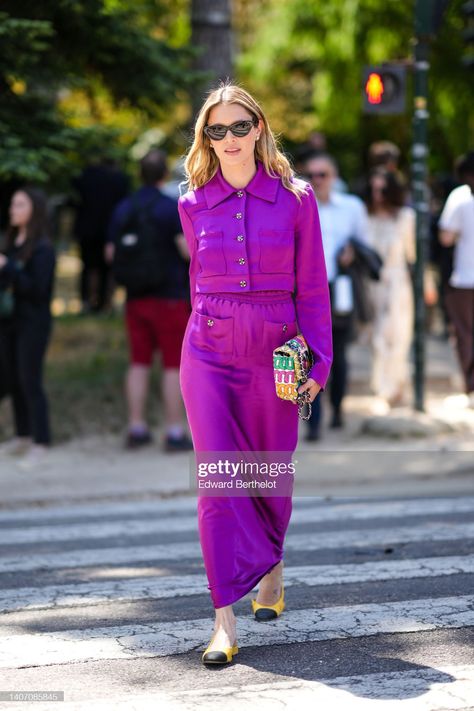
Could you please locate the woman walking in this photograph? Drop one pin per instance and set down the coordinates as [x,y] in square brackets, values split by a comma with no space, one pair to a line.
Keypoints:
[391,231]
[27,273]
[258,278]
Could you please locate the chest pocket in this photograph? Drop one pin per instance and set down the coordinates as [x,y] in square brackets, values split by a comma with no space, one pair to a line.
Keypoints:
[210,254]
[277,251]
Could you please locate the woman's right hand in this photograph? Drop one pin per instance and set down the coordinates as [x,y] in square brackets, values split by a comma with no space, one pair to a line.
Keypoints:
[3,260]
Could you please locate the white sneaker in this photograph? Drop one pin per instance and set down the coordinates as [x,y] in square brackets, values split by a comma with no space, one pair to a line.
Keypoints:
[36,456]
[471,399]
[15,447]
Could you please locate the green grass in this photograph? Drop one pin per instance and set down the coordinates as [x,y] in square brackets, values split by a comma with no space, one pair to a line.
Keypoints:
[85,367]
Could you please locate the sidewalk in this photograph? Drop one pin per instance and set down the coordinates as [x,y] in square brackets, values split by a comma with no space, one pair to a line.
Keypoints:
[446,409]
[442,370]
[398,453]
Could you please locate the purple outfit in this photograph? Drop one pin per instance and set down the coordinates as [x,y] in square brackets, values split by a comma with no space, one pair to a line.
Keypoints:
[257,277]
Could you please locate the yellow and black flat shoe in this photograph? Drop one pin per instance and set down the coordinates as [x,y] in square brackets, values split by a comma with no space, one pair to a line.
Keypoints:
[263,613]
[219,656]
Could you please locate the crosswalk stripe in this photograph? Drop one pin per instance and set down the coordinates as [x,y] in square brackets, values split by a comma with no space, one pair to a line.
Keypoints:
[445,688]
[105,529]
[322,510]
[346,538]
[176,504]
[171,586]
[139,527]
[178,637]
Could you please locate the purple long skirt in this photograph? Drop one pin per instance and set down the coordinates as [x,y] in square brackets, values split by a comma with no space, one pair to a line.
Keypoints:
[226,377]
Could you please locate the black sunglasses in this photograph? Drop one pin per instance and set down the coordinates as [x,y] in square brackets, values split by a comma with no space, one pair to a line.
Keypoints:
[239,128]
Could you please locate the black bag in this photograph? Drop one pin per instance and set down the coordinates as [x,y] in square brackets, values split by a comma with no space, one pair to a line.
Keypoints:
[140,257]
[368,258]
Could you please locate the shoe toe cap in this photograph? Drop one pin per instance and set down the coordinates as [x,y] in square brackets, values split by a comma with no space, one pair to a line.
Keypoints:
[264,614]
[214,657]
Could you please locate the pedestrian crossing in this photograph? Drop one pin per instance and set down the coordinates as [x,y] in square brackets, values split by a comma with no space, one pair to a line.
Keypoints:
[124,581]
[140,526]
[166,638]
[142,588]
[359,538]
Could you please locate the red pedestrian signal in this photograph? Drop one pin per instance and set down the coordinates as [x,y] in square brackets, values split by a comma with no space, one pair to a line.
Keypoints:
[384,89]
[374,88]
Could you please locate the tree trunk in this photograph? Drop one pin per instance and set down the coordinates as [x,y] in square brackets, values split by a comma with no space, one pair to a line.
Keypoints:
[212,34]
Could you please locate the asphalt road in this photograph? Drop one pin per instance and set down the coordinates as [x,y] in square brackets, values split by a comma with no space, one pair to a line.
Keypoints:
[107,603]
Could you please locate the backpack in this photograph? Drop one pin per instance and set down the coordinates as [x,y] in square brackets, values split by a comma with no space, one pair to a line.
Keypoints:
[140,257]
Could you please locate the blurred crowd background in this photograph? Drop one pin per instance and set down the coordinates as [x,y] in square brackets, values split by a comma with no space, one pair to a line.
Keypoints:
[98,101]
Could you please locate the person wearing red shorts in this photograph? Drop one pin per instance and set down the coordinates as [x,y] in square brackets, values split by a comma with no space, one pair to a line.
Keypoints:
[156,318]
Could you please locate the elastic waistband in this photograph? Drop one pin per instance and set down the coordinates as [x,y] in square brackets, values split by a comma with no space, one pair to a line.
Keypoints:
[273,296]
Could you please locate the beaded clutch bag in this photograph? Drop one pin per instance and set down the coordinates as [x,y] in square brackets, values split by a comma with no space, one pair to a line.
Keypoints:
[291,364]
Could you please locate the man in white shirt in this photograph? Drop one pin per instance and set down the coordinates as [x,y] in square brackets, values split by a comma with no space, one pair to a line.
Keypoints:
[457,228]
[342,216]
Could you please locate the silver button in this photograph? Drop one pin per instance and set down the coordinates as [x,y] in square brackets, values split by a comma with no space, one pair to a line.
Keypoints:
[239,215]
[285,327]
[240,238]
[241,260]
[210,322]
[240,193]
[243,283]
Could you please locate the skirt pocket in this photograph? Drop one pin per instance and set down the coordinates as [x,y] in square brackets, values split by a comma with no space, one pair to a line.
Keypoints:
[275,334]
[211,338]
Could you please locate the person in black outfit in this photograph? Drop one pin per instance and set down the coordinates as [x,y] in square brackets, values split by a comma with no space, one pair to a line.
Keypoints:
[101,186]
[27,269]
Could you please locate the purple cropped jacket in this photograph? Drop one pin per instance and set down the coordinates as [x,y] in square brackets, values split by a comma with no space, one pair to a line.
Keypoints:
[259,238]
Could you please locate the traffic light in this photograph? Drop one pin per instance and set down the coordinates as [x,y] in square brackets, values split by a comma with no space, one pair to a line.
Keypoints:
[384,88]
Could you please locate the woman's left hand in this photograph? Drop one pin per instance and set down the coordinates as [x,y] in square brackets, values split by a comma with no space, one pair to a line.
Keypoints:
[312,386]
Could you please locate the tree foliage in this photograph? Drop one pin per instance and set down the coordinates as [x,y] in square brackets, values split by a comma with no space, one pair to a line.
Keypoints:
[80,75]
[68,66]
[304,60]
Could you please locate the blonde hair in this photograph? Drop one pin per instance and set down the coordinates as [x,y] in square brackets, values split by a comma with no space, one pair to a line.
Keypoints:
[201,163]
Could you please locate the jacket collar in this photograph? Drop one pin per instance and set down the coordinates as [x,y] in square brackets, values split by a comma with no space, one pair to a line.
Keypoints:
[261,185]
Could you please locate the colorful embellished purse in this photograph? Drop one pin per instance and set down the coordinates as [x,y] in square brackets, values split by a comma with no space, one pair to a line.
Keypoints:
[291,364]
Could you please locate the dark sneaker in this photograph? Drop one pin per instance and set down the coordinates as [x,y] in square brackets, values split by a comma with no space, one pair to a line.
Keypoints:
[134,440]
[178,444]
